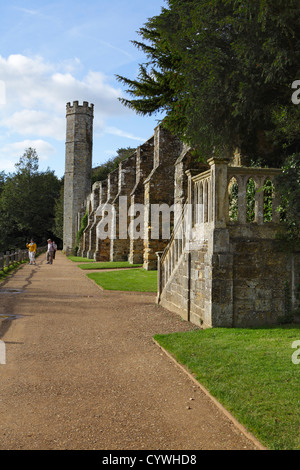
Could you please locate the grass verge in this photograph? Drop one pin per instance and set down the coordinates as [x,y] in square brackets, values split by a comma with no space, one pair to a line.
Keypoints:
[109,265]
[79,259]
[136,280]
[251,373]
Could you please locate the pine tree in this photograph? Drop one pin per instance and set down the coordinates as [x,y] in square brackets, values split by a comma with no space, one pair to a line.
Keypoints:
[221,71]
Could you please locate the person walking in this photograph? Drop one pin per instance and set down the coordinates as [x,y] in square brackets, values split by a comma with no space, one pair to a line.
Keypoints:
[50,251]
[31,251]
[55,249]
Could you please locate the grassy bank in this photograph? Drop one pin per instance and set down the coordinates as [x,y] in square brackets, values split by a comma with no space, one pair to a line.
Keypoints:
[249,371]
[79,259]
[109,265]
[137,280]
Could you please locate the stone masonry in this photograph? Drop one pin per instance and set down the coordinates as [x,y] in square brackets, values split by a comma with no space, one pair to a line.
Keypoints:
[78,166]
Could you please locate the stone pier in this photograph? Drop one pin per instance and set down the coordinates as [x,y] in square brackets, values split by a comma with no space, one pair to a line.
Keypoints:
[103,231]
[102,195]
[144,165]
[158,190]
[120,243]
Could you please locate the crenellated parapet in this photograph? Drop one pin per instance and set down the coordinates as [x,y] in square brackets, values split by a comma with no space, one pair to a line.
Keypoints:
[76,108]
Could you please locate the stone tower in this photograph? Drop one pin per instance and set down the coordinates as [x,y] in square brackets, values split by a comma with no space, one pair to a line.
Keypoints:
[78,166]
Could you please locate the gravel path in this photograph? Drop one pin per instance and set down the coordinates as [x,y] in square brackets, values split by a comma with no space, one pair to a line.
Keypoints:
[82,370]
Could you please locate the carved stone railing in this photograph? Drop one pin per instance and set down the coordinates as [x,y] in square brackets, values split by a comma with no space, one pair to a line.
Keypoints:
[168,259]
[263,180]
[201,198]
[209,193]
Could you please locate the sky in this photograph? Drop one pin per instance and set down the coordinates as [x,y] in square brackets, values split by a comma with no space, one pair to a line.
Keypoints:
[55,52]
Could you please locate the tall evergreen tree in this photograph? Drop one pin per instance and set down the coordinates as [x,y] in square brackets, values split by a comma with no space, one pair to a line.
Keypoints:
[101,172]
[221,71]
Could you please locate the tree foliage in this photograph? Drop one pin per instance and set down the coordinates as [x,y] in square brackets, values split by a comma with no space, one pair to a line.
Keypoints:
[220,70]
[101,172]
[288,184]
[59,215]
[27,203]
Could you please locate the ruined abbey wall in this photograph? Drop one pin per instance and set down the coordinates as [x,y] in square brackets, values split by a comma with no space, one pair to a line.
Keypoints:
[215,267]
[145,179]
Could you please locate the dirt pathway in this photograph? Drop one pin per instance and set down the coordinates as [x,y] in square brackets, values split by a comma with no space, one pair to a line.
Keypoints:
[82,371]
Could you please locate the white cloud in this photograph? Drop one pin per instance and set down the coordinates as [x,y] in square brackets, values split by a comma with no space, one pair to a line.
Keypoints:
[39,123]
[36,93]
[27,11]
[120,133]
[11,153]
[34,88]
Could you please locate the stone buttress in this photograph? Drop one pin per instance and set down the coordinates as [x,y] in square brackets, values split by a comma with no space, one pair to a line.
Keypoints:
[144,165]
[158,191]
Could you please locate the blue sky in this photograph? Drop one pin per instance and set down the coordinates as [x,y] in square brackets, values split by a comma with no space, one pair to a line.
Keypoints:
[62,51]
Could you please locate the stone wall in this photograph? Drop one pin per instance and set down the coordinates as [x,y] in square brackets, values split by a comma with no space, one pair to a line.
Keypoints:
[263,281]
[145,178]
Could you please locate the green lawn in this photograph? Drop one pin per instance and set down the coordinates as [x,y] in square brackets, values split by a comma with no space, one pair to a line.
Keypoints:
[79,259]
[109,265]
[251,372]
[138,280]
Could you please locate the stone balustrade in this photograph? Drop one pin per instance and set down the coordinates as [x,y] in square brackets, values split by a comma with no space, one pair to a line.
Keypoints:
[249,193]
[223,265]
